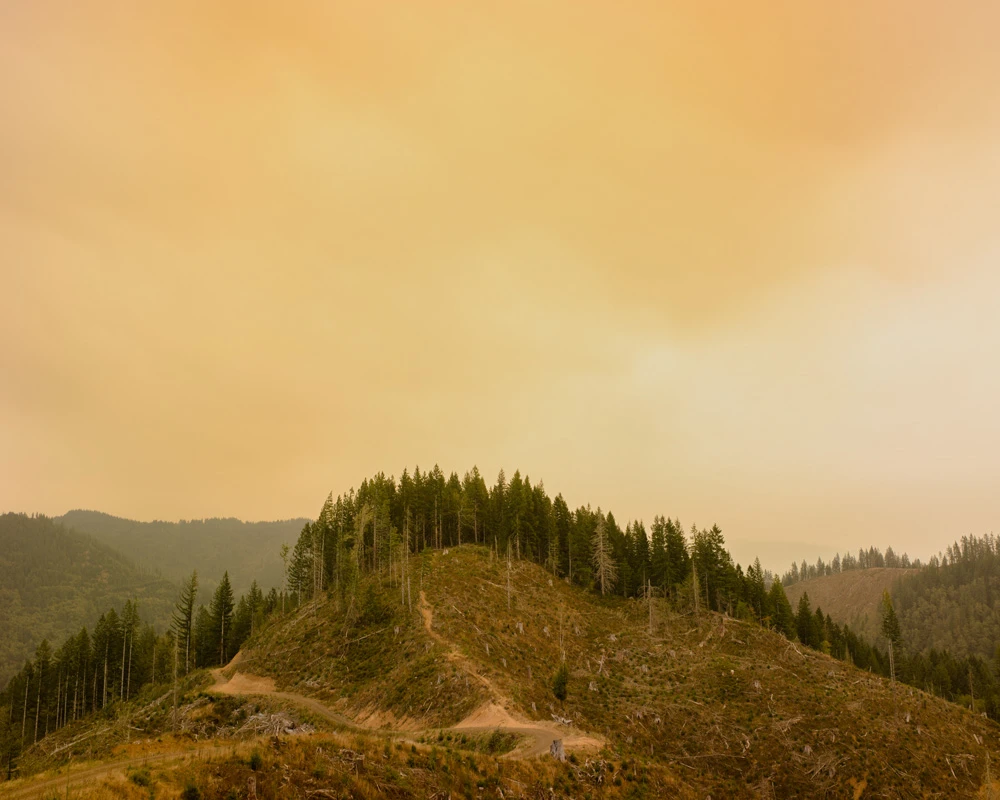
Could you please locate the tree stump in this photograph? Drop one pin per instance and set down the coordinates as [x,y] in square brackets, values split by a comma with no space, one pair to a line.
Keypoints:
[556,750]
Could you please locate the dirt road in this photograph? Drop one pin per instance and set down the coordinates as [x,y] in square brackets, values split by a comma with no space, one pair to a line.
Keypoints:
[537,735]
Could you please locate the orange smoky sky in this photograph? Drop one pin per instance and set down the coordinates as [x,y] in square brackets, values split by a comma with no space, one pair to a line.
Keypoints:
[732,262]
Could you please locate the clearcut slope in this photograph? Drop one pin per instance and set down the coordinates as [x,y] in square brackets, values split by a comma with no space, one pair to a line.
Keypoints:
[729,707]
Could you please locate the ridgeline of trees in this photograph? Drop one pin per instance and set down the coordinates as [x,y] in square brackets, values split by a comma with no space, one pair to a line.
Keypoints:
[865,559]
[54,579]
[371,529]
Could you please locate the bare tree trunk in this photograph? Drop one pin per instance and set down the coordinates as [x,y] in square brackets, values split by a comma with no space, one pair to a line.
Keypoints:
[38,704]
[24,717]
[694,584]
[128,685]
[649,594]
[508,576]
[121,691]
[174,719]
[336,565]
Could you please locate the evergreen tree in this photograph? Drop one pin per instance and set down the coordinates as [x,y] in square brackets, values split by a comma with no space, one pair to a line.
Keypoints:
[205,639]
[602,558]
[891,631]
[782,618]
[658,563]
[183,619]
[755,592]
[678,558]
[804,621]
[222,618]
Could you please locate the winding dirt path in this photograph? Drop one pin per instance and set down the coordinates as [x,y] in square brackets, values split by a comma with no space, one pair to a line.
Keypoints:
[537,735]
[494,715]
[243,684]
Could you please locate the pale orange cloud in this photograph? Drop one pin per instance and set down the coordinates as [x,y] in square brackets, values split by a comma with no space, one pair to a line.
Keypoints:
[728,262]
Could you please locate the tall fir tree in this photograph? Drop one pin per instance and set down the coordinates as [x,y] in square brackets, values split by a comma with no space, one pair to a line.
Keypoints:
[182,622]
[222,617]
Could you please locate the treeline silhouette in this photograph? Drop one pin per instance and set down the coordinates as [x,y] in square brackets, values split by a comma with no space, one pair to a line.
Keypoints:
[865,559]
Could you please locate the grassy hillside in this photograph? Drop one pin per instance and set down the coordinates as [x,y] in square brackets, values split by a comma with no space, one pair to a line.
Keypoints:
[248,550]
[722,706]
[851,597]
[54,580]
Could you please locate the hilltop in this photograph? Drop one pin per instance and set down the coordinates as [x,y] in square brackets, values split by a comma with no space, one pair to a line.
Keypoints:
[248,550]
[726,707]
[852,597]
[53,580]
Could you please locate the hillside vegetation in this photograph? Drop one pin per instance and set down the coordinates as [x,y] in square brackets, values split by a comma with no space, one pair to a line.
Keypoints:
[725,707]
[248,550]
[954,603]
[852,597]
[438,613]
[53,580]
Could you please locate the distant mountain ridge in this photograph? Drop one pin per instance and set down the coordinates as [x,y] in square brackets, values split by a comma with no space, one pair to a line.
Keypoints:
[55,580]
[247,550]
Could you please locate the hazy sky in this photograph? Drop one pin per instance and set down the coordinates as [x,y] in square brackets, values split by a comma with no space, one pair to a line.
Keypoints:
[733,262]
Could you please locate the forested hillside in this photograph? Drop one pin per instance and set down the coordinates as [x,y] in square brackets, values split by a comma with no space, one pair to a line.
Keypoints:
[248,550]
[54,579]
[954,603]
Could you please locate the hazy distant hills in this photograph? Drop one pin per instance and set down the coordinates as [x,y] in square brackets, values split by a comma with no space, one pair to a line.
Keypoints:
[850,598]
[54,580]
[248,550]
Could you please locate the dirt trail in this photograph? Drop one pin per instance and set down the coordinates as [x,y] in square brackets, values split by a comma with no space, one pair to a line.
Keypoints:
[241,683]
[452,653]
[491,716]
[494,715]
